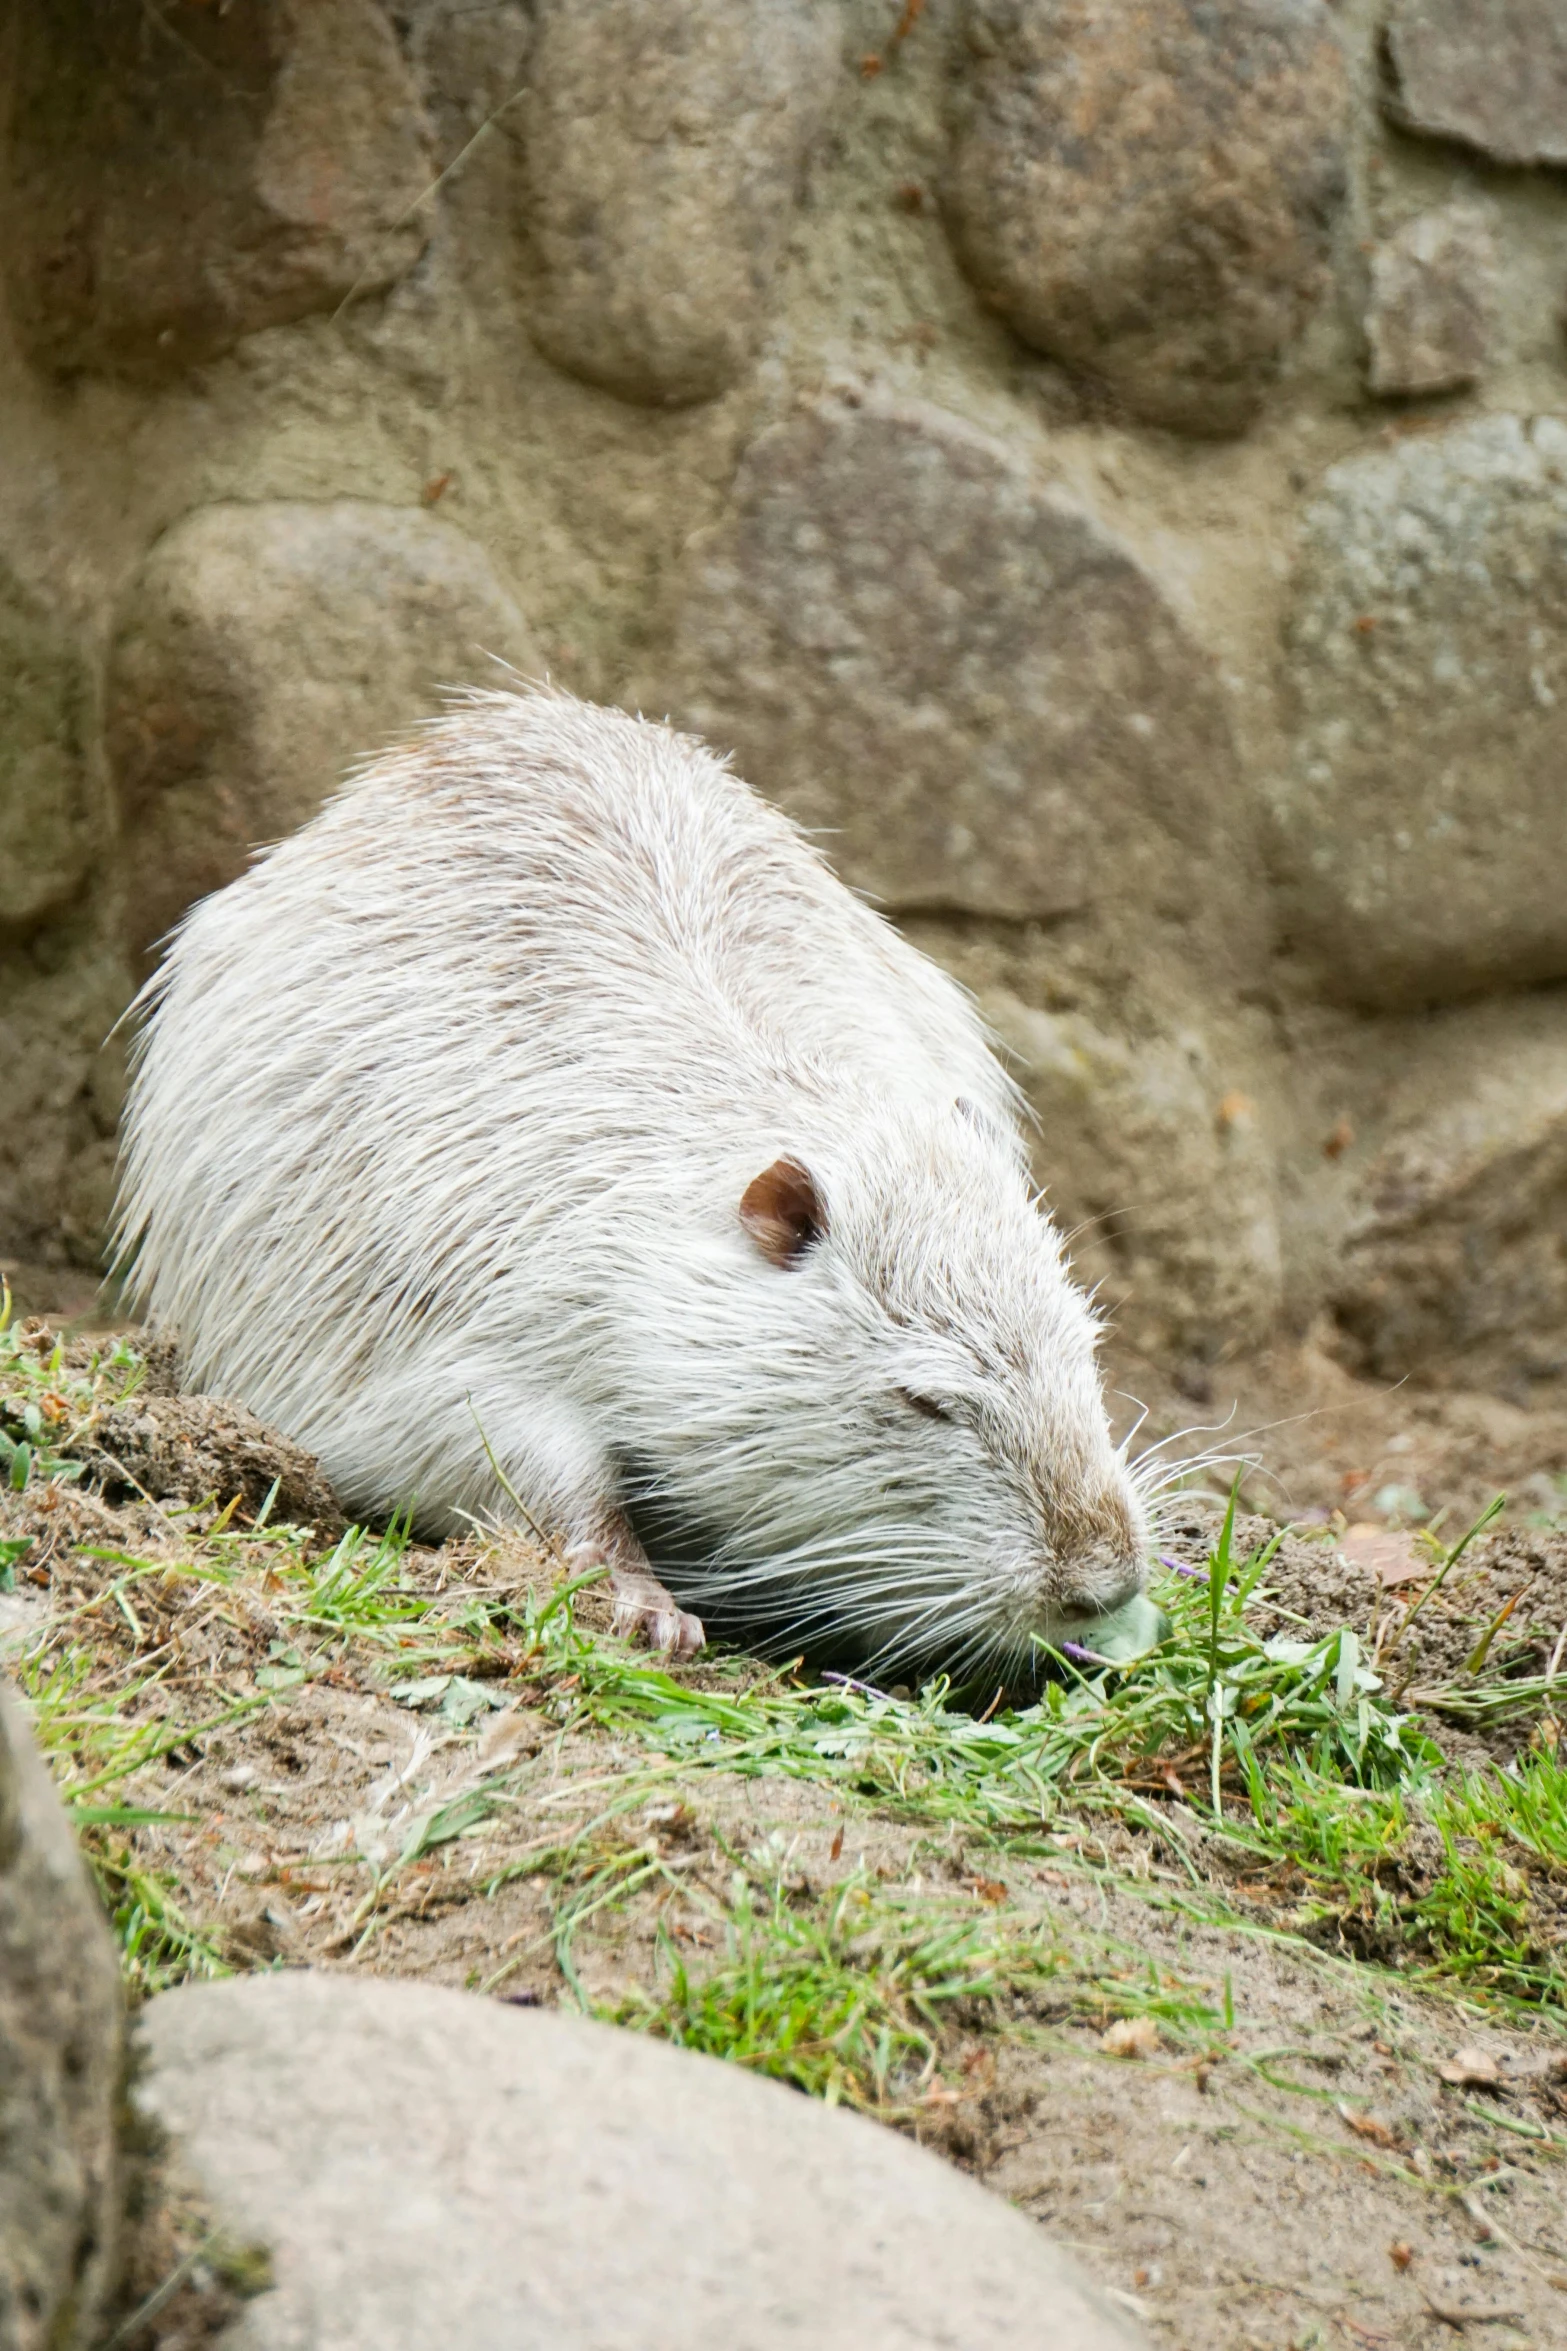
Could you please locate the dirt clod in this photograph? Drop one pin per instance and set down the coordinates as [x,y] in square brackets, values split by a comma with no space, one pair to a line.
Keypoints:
[195,1449]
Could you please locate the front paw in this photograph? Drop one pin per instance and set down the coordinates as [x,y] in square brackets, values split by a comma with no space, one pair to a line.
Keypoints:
[645,1611]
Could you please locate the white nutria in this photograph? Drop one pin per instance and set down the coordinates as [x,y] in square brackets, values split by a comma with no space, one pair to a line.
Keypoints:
[545,1123]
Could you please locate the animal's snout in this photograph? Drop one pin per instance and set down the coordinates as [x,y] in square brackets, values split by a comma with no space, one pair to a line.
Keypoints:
[1100,1577]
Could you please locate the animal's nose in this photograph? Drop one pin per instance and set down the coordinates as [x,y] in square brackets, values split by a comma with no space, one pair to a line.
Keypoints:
[1102,1576]
[1128,1575]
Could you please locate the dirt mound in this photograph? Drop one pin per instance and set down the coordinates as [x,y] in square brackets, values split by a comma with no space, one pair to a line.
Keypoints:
[196,1449]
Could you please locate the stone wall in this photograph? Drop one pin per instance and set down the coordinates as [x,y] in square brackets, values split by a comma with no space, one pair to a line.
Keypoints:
[1106,465]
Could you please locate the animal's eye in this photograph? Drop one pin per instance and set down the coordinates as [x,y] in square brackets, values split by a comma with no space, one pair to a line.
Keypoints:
[925,1404]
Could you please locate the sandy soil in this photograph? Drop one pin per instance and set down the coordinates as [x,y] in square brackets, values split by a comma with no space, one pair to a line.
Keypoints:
[1304,2176]
[1323,1445]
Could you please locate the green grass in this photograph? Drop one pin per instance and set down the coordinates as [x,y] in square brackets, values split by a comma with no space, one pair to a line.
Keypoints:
[1313,1783]
[46,1405]
[847,1991]
[1309,1777]
[846,1996]
[1473,1913]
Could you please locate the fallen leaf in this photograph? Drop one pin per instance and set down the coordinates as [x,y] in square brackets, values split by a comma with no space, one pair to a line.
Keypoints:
[463,1700]
[423,1692]
[1131,2036]
[988,1889]
[1367,2126]
[1471,2069]
[836,1853]
[1388,1552]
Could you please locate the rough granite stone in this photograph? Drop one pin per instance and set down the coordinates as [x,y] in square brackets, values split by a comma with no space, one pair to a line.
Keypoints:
[47,829]
[1146,193]
[1454,1262]
[428,2167]
[60,2064]
[664,149]
[1422,820]
[958,676]
[1155,1158]
[180,176]
[261,649]
[1431,311]
[1492,73]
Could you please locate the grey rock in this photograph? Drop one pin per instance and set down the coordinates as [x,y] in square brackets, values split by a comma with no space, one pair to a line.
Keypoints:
[429,2167]
[60,2066]
[1156,1159]
[1453,1264]
[1431,311]
[1422,822]
[1492,73]
[664,150]
[259,650]
[180,178]
[1147,194]
[958,676]
[47,814]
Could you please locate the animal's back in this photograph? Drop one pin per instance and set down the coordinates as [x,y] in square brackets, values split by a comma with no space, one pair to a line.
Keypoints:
[628,861]
[402,1072]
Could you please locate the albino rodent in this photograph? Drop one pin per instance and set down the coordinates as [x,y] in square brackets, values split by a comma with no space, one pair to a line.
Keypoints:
[545,1123]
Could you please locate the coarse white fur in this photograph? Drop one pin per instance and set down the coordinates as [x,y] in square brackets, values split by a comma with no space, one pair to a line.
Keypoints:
[441,1119]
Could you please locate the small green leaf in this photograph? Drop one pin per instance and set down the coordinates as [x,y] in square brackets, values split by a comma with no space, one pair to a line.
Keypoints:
[424,1692]
[280,1677]
[463,1699]
[1348,1661]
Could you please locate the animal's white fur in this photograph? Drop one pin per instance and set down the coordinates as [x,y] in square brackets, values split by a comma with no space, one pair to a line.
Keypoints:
[440,1122]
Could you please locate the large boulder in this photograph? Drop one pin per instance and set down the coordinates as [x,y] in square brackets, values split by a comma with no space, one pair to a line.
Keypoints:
[664,149]
[60,2066]
[1492,73]
[1422,820]
[958,676]
[258,651]
[1453,1263]
[182,175]
[1157,1163]
[48,819]
[1147,193]
[429,2167]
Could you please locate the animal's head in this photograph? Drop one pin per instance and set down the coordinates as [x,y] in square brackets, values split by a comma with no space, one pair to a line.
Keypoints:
[901,1451]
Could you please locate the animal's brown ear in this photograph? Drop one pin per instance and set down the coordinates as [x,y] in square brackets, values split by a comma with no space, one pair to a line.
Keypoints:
[782,1211]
